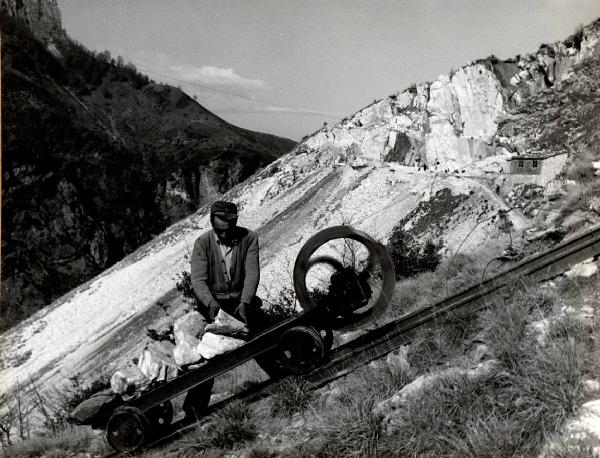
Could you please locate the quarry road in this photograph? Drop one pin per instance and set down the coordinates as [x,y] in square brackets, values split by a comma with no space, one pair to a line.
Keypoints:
[385,339]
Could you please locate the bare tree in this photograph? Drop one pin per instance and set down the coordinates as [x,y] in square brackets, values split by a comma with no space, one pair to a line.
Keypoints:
[7,420]
[22,410]
[45,406]
[16,409]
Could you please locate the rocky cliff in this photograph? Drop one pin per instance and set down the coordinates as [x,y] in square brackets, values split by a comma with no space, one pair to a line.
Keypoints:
[454,120]
[431,160]
[42,17]
[97,159]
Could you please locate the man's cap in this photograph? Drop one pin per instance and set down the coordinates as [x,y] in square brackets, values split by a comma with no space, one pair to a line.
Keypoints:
[224,210]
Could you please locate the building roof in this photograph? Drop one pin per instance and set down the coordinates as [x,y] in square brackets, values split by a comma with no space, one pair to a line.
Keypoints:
[535,157]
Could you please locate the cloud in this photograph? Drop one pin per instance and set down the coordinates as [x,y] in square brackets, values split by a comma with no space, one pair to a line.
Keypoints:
[151,58]
[214,76]
[261,108]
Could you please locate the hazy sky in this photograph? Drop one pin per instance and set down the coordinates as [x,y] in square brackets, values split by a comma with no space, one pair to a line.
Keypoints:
[285,67]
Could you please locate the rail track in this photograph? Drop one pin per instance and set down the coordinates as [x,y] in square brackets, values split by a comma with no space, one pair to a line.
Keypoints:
[385,339]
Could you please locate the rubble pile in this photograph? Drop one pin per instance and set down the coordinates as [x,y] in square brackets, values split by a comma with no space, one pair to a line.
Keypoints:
[196,341]
[185,344]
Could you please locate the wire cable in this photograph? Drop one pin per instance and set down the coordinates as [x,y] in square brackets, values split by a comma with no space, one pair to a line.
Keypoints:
[244,97]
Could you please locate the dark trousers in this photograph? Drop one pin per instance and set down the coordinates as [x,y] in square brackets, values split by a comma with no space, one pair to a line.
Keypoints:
[198,398]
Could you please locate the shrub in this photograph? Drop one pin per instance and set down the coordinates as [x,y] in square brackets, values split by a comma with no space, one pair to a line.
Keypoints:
[493,59]
[575,39]
[281,307]
[55,405]
[410,257]
[57,438]
[451,276]
[184,286]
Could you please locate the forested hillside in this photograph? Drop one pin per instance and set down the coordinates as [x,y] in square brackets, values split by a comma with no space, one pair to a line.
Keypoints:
[96,160]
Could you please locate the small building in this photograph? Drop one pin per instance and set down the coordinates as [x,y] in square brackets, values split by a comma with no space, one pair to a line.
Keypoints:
[537,168]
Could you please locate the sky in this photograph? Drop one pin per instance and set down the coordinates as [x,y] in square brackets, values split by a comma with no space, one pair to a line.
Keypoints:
[287,66]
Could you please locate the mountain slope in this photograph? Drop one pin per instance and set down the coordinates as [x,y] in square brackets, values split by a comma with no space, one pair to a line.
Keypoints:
[97,159]
[364,172]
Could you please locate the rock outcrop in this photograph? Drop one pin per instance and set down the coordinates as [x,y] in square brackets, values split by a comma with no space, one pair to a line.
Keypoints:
[454,120]
[43,17]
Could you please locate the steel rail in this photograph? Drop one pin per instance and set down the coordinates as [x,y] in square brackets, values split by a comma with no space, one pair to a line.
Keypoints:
[385,339]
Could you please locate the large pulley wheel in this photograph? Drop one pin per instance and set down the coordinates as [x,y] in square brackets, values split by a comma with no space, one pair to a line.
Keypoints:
[353,310]
[303,348]
[127,430]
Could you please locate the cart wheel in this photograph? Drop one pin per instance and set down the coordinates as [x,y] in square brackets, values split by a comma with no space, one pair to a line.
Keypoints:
[127,430]
[301,349]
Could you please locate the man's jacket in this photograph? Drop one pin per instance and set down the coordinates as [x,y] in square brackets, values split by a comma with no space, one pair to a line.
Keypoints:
[209,281]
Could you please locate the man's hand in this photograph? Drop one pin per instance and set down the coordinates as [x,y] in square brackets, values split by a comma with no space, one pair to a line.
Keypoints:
[213,311]
[242,311]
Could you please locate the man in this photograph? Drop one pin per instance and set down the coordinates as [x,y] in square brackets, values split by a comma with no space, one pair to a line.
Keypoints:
[225,267]
[225,275]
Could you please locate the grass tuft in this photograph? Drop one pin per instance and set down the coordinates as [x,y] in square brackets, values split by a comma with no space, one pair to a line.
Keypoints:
[230,426]
[291,395]
[345,424]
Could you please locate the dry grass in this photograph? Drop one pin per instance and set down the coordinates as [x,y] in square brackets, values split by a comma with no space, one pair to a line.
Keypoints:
[453,275]
[343,422]
[64,443]
[442,341]
[509,411]
[291,395]
[231,426]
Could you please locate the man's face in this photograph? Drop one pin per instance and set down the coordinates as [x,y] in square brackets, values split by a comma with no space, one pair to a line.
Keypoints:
[224,229]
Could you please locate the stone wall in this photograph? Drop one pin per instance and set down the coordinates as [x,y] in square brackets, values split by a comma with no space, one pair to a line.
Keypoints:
[551,167]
